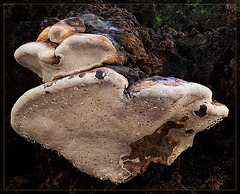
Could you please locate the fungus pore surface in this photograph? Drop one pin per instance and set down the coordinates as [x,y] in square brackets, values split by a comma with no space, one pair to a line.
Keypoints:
[94,117]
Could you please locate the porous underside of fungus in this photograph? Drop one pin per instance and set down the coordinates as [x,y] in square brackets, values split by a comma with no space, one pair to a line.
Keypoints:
[111,129]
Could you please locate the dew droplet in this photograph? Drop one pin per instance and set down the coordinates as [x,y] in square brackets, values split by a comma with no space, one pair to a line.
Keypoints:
[29,138]
[75,88]
[45,147]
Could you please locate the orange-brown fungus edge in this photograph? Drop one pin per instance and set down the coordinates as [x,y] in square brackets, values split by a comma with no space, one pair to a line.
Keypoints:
[143,84]
[44,34]
[147,84]
[167,84]
[217,104]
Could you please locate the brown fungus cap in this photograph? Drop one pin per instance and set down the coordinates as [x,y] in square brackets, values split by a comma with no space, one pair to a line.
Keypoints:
[110,129]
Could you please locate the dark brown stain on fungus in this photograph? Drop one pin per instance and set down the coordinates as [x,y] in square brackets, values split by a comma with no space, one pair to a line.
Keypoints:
[56,60]
[156,147]
[100,74]
[202,111]
[189,131]
[185,118]
[81,75]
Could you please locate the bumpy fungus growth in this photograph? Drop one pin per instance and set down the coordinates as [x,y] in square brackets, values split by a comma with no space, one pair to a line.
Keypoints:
[60,51]
[106,127]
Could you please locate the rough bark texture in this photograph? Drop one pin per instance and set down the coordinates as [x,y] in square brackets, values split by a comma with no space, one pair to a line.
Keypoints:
[195,43]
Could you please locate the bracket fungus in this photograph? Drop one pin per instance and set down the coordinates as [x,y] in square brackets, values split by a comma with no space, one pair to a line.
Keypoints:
[106,126]
[60,50]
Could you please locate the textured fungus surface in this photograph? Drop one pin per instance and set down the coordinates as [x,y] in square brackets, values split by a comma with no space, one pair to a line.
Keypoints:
[153,119]
[111,130]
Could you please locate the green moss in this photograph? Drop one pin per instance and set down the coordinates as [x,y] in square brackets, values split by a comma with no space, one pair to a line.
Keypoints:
[159,20]
[170,6]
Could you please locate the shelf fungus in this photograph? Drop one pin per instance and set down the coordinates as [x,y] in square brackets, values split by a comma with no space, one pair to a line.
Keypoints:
[63,49]
[106,126]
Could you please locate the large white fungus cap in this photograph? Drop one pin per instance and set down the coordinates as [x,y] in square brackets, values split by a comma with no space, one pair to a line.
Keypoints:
[60,50]
[110,129]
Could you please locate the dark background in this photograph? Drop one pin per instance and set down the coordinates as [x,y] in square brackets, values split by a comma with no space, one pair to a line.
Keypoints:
[195,42]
